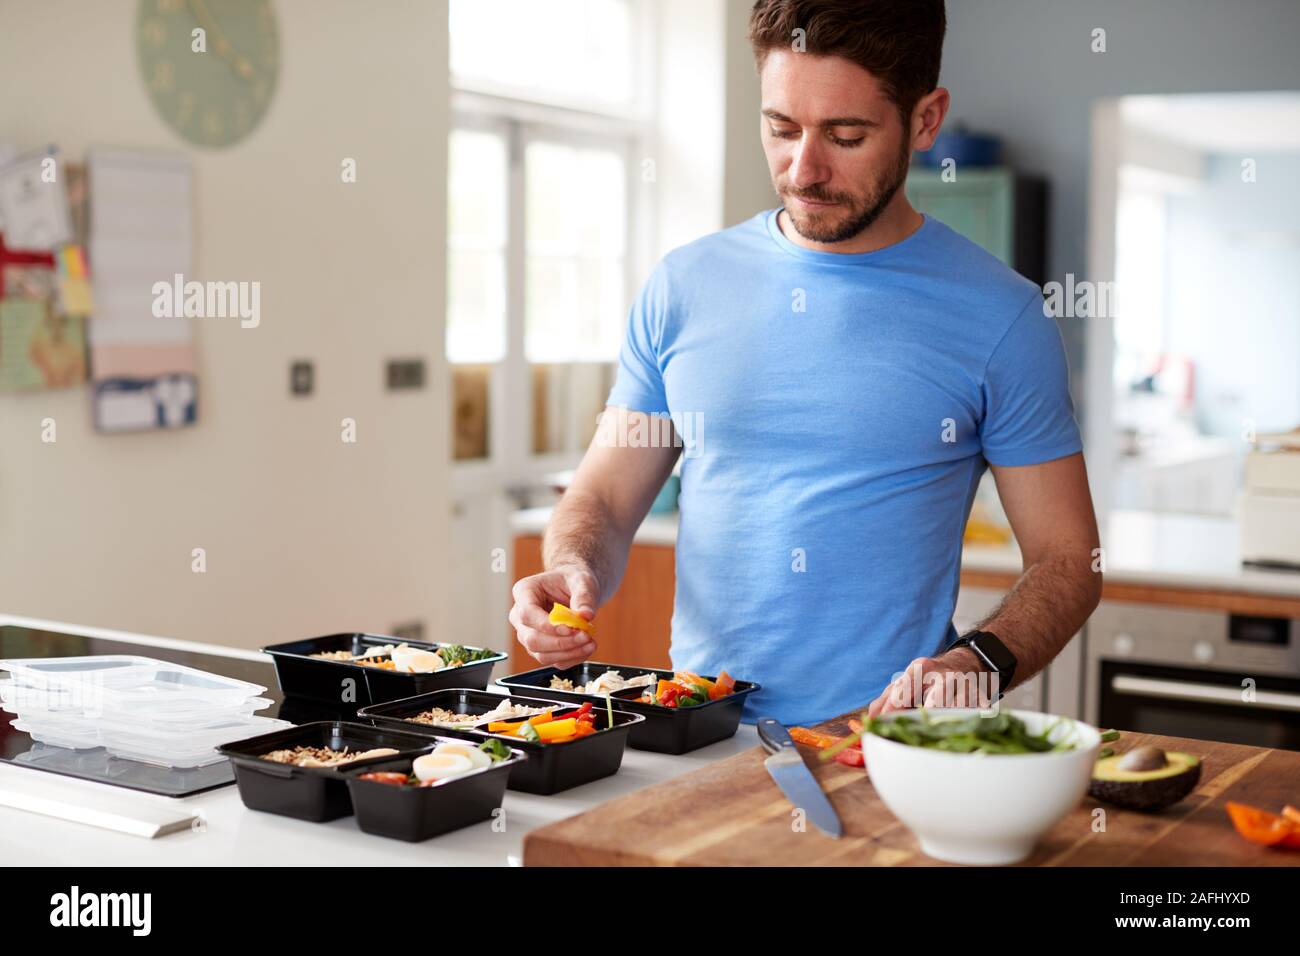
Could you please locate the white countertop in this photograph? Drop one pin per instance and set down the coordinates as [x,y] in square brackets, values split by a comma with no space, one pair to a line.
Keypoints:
[1169,550]
[234,835]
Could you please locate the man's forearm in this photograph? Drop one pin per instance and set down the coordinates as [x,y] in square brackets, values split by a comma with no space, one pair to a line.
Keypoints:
[1045,608]
[583,532]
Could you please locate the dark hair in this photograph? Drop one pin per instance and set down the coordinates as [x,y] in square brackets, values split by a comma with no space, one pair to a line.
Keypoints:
[898,41]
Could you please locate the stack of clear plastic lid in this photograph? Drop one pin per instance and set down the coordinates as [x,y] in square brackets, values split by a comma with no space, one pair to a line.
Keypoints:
[137,708]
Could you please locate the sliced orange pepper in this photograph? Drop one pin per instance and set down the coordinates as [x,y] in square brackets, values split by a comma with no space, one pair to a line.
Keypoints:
[544,718]
[569,618]
[1259,826]
[662,686]
[811,738]
[503,727]
[687,678]
[723,687]
[557,728]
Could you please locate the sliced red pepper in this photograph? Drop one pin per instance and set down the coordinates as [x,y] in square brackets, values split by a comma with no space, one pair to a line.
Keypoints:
[851,758]
[385,777]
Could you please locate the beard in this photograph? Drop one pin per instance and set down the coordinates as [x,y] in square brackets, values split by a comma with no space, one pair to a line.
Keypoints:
[854,213]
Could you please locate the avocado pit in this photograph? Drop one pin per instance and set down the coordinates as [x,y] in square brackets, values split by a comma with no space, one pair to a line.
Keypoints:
[1145,778]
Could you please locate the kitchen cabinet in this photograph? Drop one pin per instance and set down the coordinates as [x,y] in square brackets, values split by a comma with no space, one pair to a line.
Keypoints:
[996,208]
[634,626]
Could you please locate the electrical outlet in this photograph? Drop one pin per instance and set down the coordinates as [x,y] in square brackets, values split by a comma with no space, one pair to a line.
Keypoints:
[405,373]
[302,378]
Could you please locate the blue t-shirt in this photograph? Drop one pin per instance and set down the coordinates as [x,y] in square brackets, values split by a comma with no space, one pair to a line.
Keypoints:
[842,409]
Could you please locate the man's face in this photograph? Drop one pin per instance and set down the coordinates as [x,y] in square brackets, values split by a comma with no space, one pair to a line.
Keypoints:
[835,143]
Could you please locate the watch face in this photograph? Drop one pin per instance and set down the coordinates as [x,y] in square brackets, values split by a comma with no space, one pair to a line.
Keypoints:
[210,66]
[991,648]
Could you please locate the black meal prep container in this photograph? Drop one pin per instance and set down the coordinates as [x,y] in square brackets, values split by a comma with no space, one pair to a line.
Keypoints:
[555,767]
[550,767]
[667,730]
[316,794]
[414,813]
[302,675]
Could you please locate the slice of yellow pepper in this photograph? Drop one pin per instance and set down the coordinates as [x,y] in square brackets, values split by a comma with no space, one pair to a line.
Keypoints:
[562,615]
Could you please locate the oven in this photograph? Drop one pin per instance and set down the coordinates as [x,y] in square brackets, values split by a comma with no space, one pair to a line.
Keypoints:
[1208,675]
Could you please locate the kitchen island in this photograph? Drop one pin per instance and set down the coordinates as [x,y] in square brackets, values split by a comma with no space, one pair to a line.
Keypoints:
[716,805]
[231,834]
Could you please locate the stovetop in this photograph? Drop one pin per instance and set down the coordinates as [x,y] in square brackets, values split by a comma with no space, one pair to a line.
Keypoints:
[19,749]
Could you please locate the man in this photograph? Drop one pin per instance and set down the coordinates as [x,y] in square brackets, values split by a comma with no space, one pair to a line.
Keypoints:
[854,367]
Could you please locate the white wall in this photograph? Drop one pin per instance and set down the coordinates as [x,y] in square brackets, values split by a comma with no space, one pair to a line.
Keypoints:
[304,534]
[748,184]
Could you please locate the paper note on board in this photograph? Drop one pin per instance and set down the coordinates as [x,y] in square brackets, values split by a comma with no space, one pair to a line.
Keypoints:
[34,203]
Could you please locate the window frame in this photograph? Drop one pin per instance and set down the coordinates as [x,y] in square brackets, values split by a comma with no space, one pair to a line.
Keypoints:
[630,131]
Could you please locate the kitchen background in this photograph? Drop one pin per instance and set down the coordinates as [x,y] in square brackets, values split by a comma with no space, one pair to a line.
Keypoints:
[398,179]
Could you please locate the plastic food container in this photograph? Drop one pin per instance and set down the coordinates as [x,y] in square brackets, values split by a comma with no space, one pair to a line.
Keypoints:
[667,730]
[555,767]
[418,813]
[310,793]
[302,675]
[126,683]
[183,747]
[58,733]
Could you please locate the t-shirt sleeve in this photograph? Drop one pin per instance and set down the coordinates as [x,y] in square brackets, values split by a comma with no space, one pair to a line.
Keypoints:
[639,385]
[1028,414]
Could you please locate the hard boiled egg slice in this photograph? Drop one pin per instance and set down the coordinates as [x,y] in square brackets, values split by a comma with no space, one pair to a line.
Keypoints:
[477,757]
[415,660]
[438,766]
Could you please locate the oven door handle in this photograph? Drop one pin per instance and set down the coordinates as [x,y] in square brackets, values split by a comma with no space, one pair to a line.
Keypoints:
[1201,693]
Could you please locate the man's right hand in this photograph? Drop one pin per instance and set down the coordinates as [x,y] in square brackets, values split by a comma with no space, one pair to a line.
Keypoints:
[555,644]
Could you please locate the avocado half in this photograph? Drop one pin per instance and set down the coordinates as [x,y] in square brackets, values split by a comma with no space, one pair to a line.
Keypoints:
[1147,778]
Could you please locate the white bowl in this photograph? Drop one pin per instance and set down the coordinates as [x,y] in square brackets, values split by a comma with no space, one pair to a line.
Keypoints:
[982,808]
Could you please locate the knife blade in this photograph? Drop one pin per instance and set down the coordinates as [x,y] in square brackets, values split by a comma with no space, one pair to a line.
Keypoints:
[795,779]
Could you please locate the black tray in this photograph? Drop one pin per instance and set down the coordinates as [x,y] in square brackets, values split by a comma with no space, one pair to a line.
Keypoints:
[419,813]
[666,730]
[550,768]
[301,675]
[310,793]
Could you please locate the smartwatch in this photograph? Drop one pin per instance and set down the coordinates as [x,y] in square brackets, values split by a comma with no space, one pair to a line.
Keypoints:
[993,654]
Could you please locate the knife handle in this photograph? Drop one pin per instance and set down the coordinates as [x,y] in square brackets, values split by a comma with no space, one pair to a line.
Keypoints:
[773,735]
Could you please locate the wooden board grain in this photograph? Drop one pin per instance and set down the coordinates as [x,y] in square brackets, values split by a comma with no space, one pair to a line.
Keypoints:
[730,813]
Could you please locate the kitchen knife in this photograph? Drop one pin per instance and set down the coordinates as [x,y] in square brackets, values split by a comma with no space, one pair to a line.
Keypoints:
[795,779]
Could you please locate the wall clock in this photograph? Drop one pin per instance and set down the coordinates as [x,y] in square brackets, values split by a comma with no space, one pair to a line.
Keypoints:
[214,96]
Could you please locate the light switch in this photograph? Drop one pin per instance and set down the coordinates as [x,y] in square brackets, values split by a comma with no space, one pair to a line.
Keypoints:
[302,378]
[405,373]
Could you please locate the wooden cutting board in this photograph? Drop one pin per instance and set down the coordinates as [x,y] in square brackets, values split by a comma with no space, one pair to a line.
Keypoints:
[731,814]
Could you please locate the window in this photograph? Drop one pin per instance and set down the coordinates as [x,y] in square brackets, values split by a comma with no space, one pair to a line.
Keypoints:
[543,202]
[558,51]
